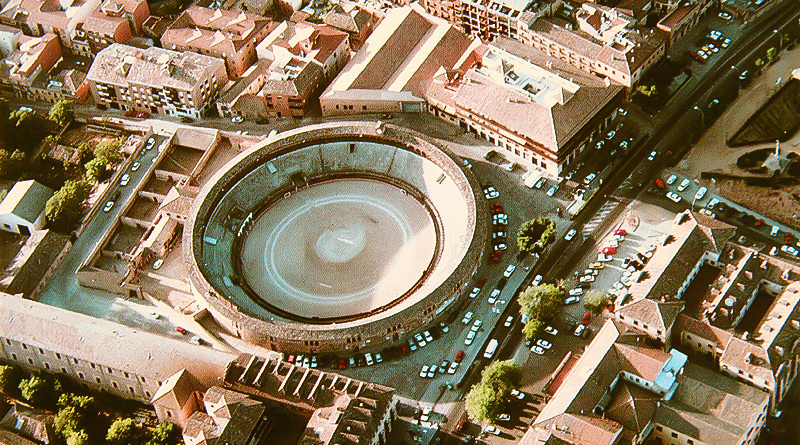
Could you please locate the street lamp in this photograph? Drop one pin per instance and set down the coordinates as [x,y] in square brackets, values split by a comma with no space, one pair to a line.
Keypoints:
[780,39]
[702,116]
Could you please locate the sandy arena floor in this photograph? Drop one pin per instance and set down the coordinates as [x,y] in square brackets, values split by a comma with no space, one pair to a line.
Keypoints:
[338,248]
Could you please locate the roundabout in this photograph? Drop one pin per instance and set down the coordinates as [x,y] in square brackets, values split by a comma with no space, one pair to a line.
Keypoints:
[335,237]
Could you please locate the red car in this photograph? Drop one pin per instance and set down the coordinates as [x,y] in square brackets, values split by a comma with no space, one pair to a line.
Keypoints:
[130,113]
[659,183]
[495,257]
[759,223]
[142,115]
[496,208]
[181,330]
[342,363]
[480,282]
[609,250]
[620,232]
[459,356]
[787,238]
[587,317]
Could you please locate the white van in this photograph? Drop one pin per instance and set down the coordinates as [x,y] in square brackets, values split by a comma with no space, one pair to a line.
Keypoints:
[490,349]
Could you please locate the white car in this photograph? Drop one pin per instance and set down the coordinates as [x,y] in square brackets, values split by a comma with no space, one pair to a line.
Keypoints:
[572,299]
[708,213]
[475,292]
[622,111]
[426,414]
[491,429]
[604,258]
[470,338]
[500,246]
[476,325]
[544,344]
[589,178]
[790,250]
[700,193]
[684,185]
[453,367]
[537,350]
[552,191]
[504,417]
[369,359]
[124,180]
[500,218]
[610,135]
[587,279]
[571,234]
[491,193]
[725,15]
[509,320]
[424,371]
[509,270]
[652,156]
[517,394]
[158,263]
[712,203]
[551,330]
[149,144]
[575,292]
[420,340]
[135,166]
[672,178]
[467,317]
[493,297]
[109,205]
[237,119]
[432,371]
[579,330]
[537,280]
[672,196]
[428,336]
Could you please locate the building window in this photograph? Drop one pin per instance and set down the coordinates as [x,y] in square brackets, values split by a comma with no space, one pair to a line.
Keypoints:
[41,351]
[659,428]
[109,370]
[126,375]
[114,384]
[674,434]
[47,365]
[80,375]
[97,379]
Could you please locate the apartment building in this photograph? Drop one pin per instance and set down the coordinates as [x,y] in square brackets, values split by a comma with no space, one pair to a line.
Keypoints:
[539,119]
[84,26]
[620,390]
[495,18]
[231,35]
[25,58]
[99,354]
[155,80]
[604,45]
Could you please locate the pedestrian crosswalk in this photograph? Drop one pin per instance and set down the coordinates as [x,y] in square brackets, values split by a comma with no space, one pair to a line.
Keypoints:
[598,217]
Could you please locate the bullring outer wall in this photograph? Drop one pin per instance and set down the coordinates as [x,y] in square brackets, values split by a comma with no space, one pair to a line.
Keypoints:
[278,333]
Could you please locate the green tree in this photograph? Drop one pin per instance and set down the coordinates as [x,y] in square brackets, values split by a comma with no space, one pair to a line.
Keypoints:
[771,53]
[535,235]
[166,433]
[541,302]
[61,112]
[36,390]
[122,432]
[109,151]
[68,420]
[533,328]
[487,398]
[11,164]
[64,209]
[96,170]
[596,301]
[10,378]
[78,438]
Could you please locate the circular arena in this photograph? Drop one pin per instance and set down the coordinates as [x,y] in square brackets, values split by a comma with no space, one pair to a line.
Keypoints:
[335,237]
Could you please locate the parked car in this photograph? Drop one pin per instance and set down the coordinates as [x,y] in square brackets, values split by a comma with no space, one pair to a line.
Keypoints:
[424,371]
[470,338]
[544,344]
[459,357]
[652,155]
[672,178]
[537,280]
[684,185]
[491,429]
[551,330]
[672,196]
[509,270]
[504,417]
[452,368]
[589,178]
[538,350]
[420,340]
[570,234]
[491,193]
[701,192]
[493,296]
[575,292]
[124,180]
[572,299]
[143,115]
[237,119]
[508,321]
[135,166]
[579,330]
[517,394]
[552,191]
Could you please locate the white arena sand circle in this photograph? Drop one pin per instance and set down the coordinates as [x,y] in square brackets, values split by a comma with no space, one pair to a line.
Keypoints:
[338,248]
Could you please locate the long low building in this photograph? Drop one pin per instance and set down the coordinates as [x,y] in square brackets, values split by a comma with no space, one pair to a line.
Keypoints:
[100,354]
